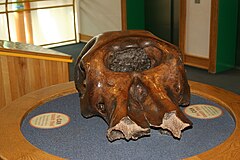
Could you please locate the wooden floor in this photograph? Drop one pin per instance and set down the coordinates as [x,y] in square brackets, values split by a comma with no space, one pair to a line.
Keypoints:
[14,146]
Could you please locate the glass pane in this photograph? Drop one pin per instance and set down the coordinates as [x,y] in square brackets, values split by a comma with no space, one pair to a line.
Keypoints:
[40,4]
[12,26]
[3,26]
[37,4]
[52,25]
[2,8]
[15,6]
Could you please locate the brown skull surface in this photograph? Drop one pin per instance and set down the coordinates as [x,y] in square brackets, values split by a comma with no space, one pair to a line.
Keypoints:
[134,81]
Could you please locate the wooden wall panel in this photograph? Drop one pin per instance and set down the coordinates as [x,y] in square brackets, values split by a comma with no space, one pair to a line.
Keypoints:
[19,76]
[2,97]
[5,80]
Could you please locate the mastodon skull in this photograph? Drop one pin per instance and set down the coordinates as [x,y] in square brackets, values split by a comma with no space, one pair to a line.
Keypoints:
[134,81]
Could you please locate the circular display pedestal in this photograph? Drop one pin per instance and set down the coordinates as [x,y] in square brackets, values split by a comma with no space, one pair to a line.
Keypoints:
[11,118]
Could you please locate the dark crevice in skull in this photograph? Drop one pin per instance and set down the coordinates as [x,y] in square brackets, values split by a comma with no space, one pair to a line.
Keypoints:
[128,60]
[101,108]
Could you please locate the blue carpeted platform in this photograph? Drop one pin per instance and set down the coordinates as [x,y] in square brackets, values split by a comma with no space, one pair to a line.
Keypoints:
[85,139]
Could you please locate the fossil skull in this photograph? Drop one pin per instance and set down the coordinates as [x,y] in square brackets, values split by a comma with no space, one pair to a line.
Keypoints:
[134,81]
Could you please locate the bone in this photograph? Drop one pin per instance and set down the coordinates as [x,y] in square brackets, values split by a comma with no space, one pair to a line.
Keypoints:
[127,129]
[135,82]
[174,124]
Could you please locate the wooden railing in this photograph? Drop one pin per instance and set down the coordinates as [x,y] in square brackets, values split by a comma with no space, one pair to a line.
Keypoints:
[25,68]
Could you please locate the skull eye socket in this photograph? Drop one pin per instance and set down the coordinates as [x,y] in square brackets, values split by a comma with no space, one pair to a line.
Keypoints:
[101,108]
[177,89]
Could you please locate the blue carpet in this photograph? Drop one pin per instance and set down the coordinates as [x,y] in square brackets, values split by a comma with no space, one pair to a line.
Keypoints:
[85,139]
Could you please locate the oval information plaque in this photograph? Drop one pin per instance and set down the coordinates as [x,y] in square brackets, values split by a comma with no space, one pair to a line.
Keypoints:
[203,111]
[49,120]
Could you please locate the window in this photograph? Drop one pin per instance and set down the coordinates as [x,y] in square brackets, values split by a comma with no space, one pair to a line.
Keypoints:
[38,22]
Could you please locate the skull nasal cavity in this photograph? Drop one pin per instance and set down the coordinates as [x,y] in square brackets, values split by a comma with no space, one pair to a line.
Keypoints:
[128,60]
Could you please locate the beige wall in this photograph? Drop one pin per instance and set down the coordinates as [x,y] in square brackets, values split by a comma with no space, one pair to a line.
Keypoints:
[198,28]
[97,16]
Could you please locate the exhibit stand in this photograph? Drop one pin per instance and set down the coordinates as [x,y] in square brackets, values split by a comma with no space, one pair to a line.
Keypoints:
[47,124]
